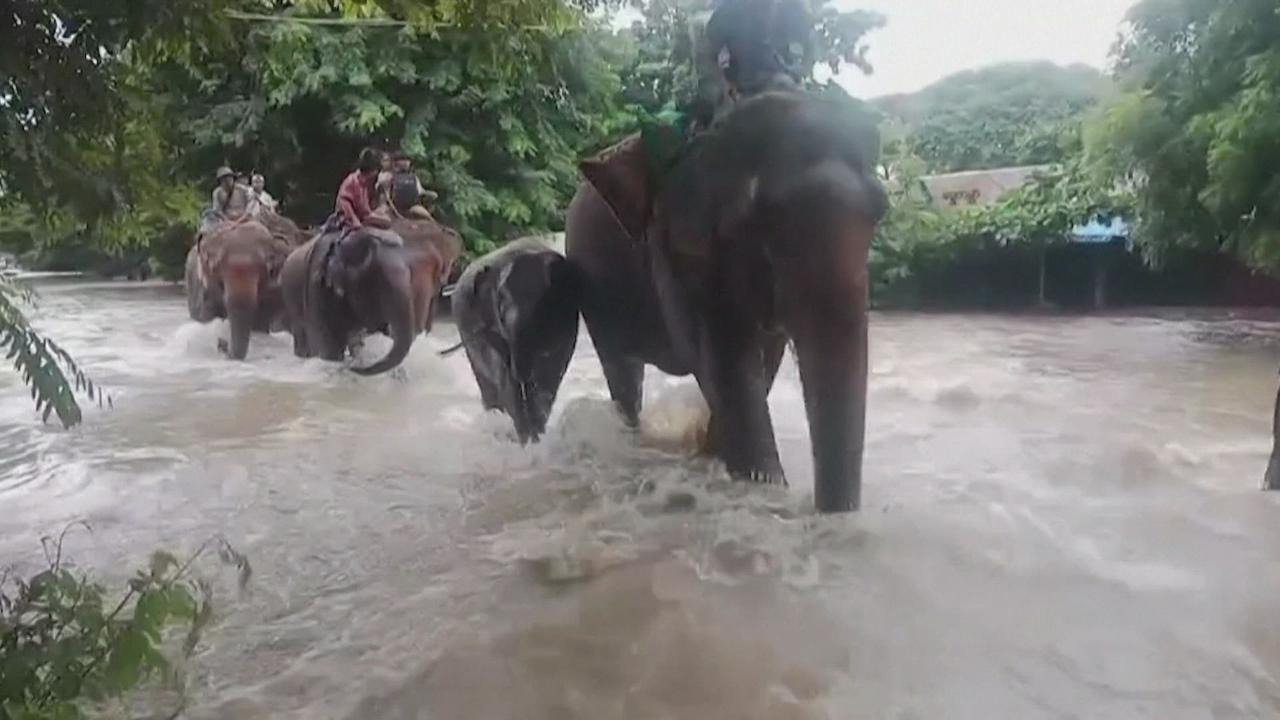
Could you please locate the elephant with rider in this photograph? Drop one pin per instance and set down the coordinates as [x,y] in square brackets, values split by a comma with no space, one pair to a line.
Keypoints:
[757,235]
[349,281]
[232,273]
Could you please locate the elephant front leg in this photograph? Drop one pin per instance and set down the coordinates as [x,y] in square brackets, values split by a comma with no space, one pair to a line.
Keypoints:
[775,347]
[738,377]
[625,378]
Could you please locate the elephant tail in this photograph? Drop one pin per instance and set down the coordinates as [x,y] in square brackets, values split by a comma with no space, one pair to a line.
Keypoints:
[450,350]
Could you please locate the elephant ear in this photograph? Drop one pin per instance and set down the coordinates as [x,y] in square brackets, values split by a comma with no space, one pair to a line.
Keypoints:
[620,175]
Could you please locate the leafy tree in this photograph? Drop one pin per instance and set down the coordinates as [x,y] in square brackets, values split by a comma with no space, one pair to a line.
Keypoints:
[998,116]
[497,138]
[1198,134]
[661,74]
[43,365]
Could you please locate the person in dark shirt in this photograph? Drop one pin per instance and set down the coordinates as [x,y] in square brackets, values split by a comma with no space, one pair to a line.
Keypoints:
[743,48]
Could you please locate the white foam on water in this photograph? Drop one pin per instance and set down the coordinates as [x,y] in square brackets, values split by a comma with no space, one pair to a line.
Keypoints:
[1047,531]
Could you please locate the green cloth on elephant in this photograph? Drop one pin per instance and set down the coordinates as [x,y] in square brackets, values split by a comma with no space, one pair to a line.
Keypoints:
[663,138]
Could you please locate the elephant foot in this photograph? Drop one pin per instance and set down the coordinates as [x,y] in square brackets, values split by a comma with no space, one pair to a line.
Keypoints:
[765,477]
[223,346]
[1271,480]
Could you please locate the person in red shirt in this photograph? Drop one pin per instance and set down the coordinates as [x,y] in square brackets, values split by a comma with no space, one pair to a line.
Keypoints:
[353,206]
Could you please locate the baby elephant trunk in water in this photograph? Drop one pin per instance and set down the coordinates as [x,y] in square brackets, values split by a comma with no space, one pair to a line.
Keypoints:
[241,277]
[543,331]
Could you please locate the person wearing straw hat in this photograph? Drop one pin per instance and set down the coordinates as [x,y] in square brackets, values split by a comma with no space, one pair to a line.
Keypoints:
[230,200]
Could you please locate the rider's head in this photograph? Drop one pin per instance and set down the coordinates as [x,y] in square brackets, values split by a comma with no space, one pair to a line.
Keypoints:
[226,178]
[400,161]
[370,161]
[259,182]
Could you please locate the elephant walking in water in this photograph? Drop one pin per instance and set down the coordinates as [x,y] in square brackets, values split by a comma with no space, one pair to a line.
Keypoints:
[517,314]
[232,273]
[337,287]
[757,235]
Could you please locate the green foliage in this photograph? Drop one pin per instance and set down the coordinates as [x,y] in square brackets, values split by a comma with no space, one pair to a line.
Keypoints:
[65,643]
[912,238]
[1198,134]
[661,76]
[41,362]
[1043,211]
[999,116]
[493,121]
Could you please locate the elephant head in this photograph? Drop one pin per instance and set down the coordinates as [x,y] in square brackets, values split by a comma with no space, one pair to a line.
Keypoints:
[760,230]
[372,273]
[231,273]
[517,313]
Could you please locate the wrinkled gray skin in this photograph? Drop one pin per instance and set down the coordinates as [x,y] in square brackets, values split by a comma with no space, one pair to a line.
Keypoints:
[517,313]
[1271,481]
[232,273]
[758,235]
[333,292]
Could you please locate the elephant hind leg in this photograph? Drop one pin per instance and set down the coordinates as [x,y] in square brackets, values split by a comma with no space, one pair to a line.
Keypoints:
[300,347]
[625,377]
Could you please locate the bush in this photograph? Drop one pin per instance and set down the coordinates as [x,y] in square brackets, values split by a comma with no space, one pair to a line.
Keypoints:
[66,644]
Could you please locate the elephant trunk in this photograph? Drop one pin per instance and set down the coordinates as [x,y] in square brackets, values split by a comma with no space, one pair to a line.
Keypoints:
[396,302]
[824,289]
[833,371]
[240,297]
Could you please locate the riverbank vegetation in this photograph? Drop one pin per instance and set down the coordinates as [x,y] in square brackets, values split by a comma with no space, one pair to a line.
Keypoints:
[112,136]
[113,118]
[68,644]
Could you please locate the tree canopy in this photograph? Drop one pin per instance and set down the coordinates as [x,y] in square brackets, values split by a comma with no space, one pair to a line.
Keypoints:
[998,116]
[1197,134]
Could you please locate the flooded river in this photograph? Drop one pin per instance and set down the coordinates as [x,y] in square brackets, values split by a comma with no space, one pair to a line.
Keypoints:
[1061,521]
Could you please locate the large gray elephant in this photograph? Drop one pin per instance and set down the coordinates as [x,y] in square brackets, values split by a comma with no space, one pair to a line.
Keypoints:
[336,288]
[759,234]
[232,273]
[517,314]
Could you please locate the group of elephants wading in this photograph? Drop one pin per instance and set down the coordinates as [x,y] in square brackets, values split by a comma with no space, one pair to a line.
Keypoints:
[758,235]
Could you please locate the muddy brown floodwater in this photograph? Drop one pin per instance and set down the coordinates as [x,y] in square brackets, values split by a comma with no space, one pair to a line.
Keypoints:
[1062,519]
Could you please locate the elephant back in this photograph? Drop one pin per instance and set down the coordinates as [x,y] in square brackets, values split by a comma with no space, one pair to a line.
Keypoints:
[417,233]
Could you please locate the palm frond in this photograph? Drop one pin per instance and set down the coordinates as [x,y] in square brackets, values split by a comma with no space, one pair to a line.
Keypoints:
[44,365]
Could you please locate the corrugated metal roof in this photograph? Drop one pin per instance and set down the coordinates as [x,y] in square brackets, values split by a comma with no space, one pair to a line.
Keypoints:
[977,188]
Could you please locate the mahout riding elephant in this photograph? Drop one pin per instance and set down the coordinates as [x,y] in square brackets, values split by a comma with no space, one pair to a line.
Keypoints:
[758,234]
[517,314]
[233,273]
[339,285]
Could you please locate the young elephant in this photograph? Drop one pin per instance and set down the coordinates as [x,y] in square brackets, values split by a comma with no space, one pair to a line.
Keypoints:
[517,313]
